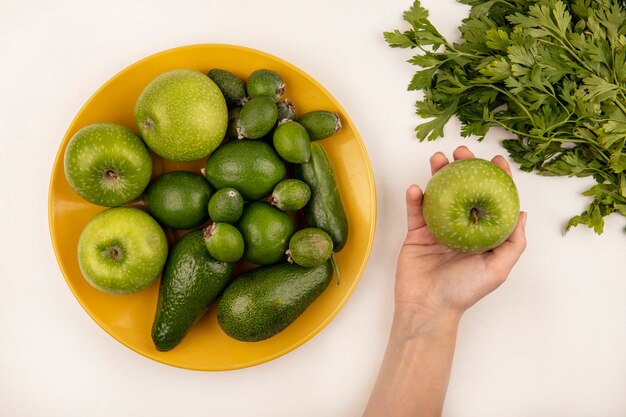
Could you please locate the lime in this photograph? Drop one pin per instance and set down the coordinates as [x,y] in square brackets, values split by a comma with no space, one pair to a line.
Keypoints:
[224,242]
[179,199]
[226,206]
[290,195]
[266,231]
[310,247]
[252,167]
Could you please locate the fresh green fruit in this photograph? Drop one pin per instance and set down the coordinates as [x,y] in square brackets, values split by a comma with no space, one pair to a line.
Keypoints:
[231,86]
[471,205]
[290,195]
[107,164]
[265,83]
[226,206]
[191,281]
[266,232]
[251,167]
[179,199]
[182,115]
[264,301]
[286,110]
[320,124]
[310,247]
[325,208]
[224,242]
[233,120]
[257,118]
[292,143]
[121,250]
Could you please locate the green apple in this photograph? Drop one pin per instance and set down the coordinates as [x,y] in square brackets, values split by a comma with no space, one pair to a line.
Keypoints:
[122,250]
[471,205]
[107,164]
[182,115]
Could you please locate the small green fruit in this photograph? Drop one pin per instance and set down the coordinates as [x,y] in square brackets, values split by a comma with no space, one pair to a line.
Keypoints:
[266,232]
[310,247]
[290,195]
[286,110]
[179,199]
[266,83]
[257,118]
[233,120]
[224,242]
[320,124]
[231,86]
[292,143]
[226,206]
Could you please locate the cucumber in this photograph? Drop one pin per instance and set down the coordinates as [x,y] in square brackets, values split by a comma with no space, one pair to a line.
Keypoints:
[324,209]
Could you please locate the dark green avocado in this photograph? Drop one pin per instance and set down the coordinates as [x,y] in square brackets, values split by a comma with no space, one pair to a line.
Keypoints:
[191,281]
[264,301]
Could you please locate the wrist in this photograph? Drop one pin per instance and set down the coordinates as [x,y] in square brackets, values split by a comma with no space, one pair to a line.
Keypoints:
[412,320]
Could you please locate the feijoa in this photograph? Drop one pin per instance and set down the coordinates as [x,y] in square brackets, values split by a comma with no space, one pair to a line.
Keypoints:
[226,205]
[224,242]
[286,110]
[310,247]
[233,119]
[292,143]
[320,124]
[231,86]
[257,118]
[290,195]
[267,83]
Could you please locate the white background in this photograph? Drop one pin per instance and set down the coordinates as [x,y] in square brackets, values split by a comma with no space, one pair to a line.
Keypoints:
[550,342]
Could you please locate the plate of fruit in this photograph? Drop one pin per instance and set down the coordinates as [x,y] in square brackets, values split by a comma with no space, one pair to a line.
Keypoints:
[212,207]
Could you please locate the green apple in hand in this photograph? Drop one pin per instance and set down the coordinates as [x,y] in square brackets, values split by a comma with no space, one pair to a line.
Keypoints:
[107,164]
[182,115]
[471,205]
[122,250]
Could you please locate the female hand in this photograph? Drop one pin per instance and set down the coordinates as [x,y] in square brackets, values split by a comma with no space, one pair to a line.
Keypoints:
[432,279]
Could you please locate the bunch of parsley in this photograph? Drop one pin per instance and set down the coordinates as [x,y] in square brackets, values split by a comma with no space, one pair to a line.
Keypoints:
[551,72]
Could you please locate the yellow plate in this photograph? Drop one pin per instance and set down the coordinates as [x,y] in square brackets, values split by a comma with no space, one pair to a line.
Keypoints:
[129,318]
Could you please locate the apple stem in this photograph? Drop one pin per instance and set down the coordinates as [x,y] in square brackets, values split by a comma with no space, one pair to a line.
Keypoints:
[474,215]
[113,253]
[111,175]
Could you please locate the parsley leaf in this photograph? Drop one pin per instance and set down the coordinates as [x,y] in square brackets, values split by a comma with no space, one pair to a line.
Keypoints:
[551,72]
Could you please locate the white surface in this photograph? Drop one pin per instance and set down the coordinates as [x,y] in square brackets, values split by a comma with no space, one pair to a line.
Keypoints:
[550,342]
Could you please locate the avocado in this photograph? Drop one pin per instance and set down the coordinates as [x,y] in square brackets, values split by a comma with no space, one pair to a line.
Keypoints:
[264,301]
[191,281]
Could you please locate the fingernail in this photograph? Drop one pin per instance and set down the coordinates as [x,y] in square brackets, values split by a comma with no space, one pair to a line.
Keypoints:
[524,218]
